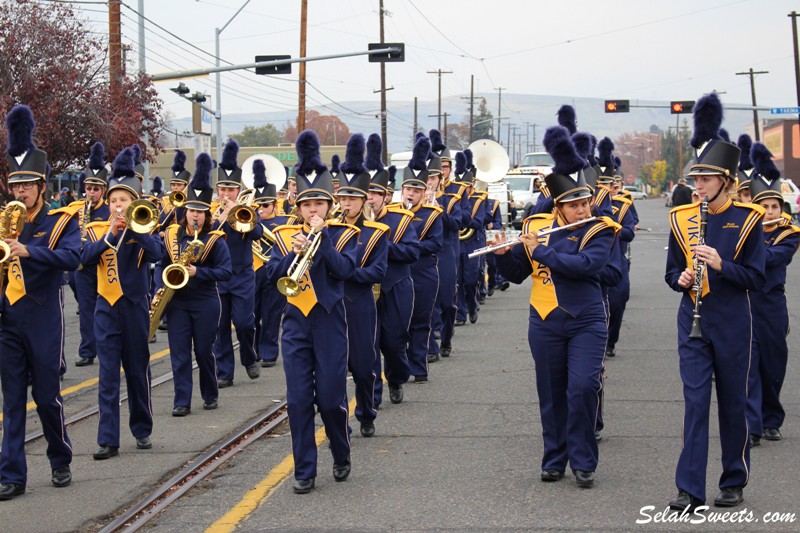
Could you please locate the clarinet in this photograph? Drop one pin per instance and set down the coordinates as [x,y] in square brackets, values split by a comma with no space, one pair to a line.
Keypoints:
[699,271]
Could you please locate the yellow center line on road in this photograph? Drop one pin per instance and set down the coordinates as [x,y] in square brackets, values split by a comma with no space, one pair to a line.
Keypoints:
[88,383]
[264,489]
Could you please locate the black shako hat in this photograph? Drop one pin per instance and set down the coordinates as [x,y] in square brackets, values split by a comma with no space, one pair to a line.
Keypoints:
[96,171]
[566,183]
[25,161]
[379,181]
[200,191]
[713,156]
[354,177]
[416,172]
[766,178]
[312,176]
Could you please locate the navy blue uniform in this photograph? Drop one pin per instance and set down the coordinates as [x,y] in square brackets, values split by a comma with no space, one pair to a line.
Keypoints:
[619,293]
[770,327]
[469,273]
[396,302]
[193,313]
[32,297]
[566,333]
[86,289]
[444,312]
[121,325]
[361,311]
[425,273]
[314,343]
[269,302]
[237,302]
[494,222]
[724,351]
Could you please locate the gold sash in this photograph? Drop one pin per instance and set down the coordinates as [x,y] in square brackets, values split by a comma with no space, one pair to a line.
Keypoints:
[108,282]
[307,298]
[543,293]
[16,281]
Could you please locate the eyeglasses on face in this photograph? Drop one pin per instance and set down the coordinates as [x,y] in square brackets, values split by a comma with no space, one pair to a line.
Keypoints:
[25,186]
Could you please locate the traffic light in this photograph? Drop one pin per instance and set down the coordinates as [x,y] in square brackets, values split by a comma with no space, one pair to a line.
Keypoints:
[387,57]
[682,106]
[617,106]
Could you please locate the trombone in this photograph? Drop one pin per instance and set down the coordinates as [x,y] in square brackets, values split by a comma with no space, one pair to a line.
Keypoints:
[513,242]
[141,217]
[242,217]
[177,198]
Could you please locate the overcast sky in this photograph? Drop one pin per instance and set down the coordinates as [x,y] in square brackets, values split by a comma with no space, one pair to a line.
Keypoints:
[656,49]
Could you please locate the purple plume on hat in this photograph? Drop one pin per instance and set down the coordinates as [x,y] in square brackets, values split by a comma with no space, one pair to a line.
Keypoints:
[20,125]
[707,120]
[97,156]
[567,118]
[374,153]
[179,161]
[229,155]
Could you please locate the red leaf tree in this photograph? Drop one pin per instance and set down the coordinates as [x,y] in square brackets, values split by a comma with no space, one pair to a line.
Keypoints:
[50,62]
[329,128]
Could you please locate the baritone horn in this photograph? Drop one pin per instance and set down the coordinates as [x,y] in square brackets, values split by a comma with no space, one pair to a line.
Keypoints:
[177,198]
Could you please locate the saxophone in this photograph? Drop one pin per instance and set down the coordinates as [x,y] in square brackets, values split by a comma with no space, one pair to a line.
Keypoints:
[699,271]
[86,218]
[175,277]
[12,221]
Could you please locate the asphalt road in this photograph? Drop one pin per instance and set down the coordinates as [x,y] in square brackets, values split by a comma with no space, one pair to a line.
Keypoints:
[462,453]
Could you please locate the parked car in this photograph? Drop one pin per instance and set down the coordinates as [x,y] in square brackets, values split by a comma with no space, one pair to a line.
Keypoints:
[636,194]
[522,184]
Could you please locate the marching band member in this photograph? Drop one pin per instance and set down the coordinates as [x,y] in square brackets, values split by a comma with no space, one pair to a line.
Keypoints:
[730,256]
[425,274]
[396,301]
[770,353]
[567,332]
[269,302]
[619,293]
[470,268]
[447,196]
[121,314]
[745,169]
[193,311]
[494,221]
[359,296]
[93,209]
[158,190]
[49,243]
[314,338]
[236,294]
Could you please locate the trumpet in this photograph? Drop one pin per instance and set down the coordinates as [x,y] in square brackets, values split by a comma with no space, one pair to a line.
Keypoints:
[513,242]
[12,221]
[289,285]
[175,277]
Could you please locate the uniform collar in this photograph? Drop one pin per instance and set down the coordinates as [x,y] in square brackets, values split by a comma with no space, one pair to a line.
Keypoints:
[724,206]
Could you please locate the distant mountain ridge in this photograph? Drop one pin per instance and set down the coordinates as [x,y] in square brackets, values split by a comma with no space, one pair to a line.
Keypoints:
[520,108]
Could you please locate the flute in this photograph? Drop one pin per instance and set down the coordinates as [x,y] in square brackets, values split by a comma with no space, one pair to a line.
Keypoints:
[513,242]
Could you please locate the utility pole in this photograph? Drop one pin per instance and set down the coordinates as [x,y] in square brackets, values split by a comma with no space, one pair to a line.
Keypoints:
[794,16]
[142,68]
[416,123]
[753,93]
[383,94]
[534,136]
[527,136]
[499,109]
[114,43]
[301,103]
[444,132]
[471,99]
[439,72]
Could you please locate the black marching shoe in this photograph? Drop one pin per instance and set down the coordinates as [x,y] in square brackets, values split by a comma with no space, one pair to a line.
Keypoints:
[144,443]
[340,472]
[162,326]
[84,361]
[504,286]
[62,477]
[598,435]
[473,316]
[210,405]
[153,339]
[460,323]
[105,452]
[755,440]
[445,351]
[548,476]
[181,410]
[772,434]
[268,364]
[433,357]
[253,371]
[10,491]
[729,497]
[610,352]
[224,383]
[367,429]
[490,291]
[685,501]
[303,486]
[396,393]
[421,379]
[584,479]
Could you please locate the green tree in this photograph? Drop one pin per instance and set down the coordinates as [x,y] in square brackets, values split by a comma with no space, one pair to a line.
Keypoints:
[483,121]
[266,135]
[654,174]
[669,152]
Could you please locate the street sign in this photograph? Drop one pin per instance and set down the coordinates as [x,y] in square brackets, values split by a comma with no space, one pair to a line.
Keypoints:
[784,110]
